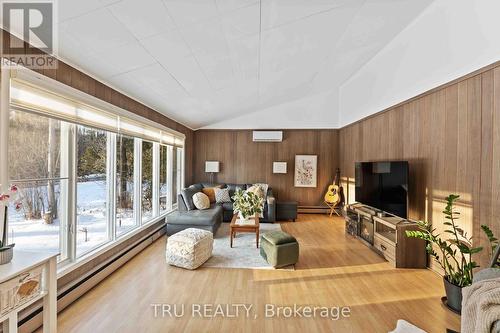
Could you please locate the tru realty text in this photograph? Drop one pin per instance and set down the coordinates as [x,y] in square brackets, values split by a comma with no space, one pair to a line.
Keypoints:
[165,310]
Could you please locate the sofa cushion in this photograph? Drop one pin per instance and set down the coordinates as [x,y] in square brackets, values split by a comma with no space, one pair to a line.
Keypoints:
[201,201]
[187,196]
[222,195]
[210,192]
[227,206]
[264,188]
[197,217]
[234,187]
[203,185]
[257,190]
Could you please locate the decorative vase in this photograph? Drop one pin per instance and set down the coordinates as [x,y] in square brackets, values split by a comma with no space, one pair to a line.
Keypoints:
[6,254]
[241,217]
[4,227]
[453,295]
[6,251]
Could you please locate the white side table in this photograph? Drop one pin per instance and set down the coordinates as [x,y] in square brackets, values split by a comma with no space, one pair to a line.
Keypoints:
[22,264]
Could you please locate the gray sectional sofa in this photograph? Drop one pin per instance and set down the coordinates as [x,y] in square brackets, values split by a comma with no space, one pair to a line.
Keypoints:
[187,216]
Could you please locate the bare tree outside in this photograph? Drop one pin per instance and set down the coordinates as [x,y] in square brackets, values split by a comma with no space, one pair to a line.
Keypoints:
[147,180]
[91,205]
[34,155]
[125,183]
[51,169]
[163,178]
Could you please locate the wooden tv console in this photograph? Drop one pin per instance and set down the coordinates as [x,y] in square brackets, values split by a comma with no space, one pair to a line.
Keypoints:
[386,235]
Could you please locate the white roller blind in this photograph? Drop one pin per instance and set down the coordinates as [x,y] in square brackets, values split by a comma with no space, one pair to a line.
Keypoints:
[27,97]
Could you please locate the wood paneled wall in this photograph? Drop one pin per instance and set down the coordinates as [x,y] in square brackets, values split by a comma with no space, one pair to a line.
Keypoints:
[245,161]
[451,137]
[78,80]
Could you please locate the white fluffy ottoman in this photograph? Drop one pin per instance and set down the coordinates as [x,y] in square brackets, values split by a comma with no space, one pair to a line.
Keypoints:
[189,248]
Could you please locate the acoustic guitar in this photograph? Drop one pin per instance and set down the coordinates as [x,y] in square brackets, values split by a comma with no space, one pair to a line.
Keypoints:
[332,195]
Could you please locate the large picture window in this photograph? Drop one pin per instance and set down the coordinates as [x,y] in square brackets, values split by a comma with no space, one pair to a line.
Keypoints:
[91,189]
[35,159]
[164,202]
[125,185]
[87,177]
[147,181]
[180,168]
[175,177]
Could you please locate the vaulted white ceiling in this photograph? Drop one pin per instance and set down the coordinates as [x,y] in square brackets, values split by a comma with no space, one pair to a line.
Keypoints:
[204,62]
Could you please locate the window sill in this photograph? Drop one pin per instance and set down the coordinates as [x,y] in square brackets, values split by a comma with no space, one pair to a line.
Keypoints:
[67,268]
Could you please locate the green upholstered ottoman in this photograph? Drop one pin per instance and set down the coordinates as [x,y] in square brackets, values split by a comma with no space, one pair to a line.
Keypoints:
[279,249]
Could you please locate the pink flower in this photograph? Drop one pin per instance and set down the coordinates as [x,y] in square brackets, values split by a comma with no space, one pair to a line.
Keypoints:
[18,205]
[10,195]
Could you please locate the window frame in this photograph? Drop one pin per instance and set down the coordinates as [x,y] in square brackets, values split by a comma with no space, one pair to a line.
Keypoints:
[137,179]
[110,190]
[66,192]
[168,180]
[69,233]
[155,181]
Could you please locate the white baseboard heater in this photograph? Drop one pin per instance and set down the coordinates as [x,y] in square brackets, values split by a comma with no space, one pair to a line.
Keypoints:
[30,322]
[313,210]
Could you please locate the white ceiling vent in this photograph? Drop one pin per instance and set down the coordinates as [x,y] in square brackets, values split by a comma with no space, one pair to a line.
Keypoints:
[267,136]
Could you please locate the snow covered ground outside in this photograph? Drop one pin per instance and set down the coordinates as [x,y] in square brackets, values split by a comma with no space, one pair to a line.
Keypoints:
[91,215]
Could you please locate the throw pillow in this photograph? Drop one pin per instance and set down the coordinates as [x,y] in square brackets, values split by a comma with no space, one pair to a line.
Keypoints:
[264,188]
[222,195]
[201,201]
[187,196]
[257,190]
[261,190]
[210,192]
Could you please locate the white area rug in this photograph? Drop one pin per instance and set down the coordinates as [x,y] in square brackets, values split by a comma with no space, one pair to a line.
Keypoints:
[243,254]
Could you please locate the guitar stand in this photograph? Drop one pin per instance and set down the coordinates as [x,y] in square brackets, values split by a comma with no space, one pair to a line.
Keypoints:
[333,209]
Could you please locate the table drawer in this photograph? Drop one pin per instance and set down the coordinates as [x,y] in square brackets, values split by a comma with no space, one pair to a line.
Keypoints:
[21,289]
[387,249]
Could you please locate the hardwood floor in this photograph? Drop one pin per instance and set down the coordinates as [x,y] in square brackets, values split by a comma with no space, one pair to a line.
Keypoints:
[334,270]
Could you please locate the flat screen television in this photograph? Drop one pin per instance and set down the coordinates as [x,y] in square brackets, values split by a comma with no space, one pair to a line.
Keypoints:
[383,185]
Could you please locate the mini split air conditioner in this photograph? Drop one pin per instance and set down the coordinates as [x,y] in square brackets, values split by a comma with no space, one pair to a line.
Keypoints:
[267,136]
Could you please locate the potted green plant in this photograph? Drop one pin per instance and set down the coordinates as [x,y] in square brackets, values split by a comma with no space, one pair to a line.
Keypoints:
[247,204]
[494,242]
[453,253]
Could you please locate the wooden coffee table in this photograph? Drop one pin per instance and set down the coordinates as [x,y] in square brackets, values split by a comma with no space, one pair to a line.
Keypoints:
[234,228]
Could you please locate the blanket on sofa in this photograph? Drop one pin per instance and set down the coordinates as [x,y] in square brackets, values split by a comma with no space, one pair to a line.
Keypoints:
[481,306]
